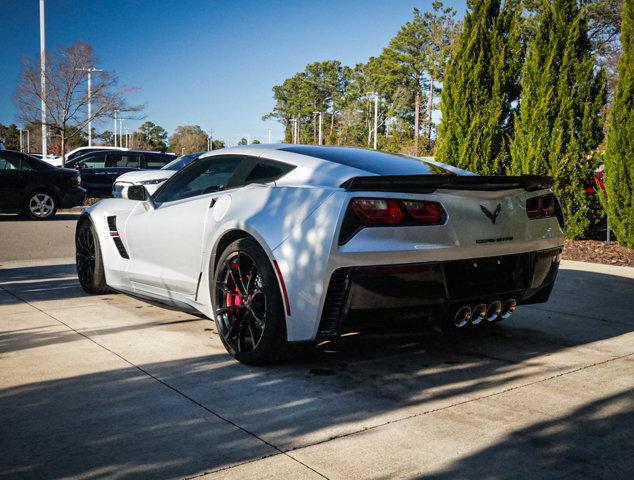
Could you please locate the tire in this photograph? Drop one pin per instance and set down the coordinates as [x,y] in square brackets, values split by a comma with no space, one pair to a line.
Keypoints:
[247,303]
[40,205]
[89,260]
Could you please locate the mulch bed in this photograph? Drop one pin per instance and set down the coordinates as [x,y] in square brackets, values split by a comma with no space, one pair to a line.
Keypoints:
[598,252]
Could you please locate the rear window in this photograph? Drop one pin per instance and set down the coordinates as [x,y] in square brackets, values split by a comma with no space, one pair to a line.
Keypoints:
[153,162]
[371,161]
[264,172]
[123,160]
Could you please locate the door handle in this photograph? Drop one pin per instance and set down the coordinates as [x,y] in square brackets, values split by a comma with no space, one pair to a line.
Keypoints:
[212,203]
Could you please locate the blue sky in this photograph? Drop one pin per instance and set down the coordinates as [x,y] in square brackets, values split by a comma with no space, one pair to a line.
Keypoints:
[210,63]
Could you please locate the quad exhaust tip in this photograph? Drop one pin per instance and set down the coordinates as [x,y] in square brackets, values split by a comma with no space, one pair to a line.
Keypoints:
[478,314]
[494,310]
[508,308]
[462,317]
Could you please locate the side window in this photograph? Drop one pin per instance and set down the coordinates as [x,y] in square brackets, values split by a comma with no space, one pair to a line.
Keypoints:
[91,161]
[208,175]
[124,160]
[267,171]
[8,162]
[153,162]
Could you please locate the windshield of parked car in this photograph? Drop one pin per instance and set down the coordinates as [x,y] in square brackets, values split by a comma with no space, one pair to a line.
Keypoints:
[182,161]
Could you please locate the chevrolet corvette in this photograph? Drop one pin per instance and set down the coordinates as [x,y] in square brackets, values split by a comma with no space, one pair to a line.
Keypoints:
[288,244]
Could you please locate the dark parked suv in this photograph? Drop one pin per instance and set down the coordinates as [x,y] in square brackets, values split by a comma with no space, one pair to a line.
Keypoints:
[100,169]
[35,188]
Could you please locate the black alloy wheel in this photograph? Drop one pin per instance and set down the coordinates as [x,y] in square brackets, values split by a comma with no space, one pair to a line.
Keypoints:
[88,259]
[248,305]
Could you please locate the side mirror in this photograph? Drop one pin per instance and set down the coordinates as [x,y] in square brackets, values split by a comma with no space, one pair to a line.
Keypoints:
[138,192]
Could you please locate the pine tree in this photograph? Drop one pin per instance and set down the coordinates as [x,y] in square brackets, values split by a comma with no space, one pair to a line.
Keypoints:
[560,122]
[481,88]
[619,154]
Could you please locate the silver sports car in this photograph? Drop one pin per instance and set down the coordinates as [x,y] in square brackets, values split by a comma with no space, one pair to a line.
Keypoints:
[287,244]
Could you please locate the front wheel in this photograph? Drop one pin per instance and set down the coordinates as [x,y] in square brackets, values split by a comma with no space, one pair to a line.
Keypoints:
[247,303]
[88,259]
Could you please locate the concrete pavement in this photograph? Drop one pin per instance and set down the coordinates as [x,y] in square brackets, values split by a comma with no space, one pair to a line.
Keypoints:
[108,386]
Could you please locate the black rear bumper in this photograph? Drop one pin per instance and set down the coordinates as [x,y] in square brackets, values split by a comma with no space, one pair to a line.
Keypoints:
[73,198]
[412,296]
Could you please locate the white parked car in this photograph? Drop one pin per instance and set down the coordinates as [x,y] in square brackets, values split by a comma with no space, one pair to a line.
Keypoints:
[152,179]
[282,244]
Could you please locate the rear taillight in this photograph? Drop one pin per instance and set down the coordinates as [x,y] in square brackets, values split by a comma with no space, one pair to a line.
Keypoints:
[541,207]
[377,211]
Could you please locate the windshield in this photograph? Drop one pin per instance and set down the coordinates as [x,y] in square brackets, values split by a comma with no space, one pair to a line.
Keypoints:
[183,161]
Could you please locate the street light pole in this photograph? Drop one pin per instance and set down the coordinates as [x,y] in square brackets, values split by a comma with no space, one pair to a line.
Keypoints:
[114,134]
[89,71]
[43,77]
[376,118]
[121,132]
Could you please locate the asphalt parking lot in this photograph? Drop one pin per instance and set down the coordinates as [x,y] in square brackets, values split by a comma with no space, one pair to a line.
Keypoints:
[111,387]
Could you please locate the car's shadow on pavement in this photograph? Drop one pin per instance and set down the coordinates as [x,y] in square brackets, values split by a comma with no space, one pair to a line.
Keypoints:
[178,417]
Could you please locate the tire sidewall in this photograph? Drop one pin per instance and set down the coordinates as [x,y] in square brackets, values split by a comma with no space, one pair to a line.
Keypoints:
[274,337]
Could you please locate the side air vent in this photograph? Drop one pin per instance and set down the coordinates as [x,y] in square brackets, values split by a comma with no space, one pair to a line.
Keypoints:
[334,304]
[119,244]
[114,234]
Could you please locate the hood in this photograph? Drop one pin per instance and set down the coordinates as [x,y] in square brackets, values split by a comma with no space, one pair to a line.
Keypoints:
[144,175]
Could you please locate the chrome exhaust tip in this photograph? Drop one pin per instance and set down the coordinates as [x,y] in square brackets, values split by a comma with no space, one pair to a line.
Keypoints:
[478,314]
[462,317]
[508,308]
[494,310]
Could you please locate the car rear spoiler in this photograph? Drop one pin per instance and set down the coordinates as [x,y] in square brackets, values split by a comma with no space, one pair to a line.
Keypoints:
[430,183]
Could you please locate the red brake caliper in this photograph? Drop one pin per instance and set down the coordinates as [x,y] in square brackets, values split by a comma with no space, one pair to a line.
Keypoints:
[234,300]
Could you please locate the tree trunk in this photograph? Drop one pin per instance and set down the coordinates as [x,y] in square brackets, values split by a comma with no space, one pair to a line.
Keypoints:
[416,121]
[430,109]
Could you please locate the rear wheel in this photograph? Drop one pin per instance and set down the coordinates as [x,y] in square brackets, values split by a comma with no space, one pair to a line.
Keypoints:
[88,259]
[248,307]
[40,205]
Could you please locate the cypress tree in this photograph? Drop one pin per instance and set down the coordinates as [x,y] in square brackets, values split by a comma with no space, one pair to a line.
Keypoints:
[480,88]
[619,154]
[560,122]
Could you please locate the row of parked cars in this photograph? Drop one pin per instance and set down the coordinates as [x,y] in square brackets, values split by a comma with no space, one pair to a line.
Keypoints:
[37,189]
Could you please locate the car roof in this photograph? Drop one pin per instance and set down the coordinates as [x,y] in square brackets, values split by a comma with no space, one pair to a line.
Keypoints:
[127,152]
[332,165]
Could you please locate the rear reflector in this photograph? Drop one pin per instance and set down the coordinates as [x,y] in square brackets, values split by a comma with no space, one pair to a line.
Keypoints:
[283,285]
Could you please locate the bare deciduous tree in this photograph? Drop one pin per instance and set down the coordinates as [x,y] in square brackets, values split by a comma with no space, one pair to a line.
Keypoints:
[66,96]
